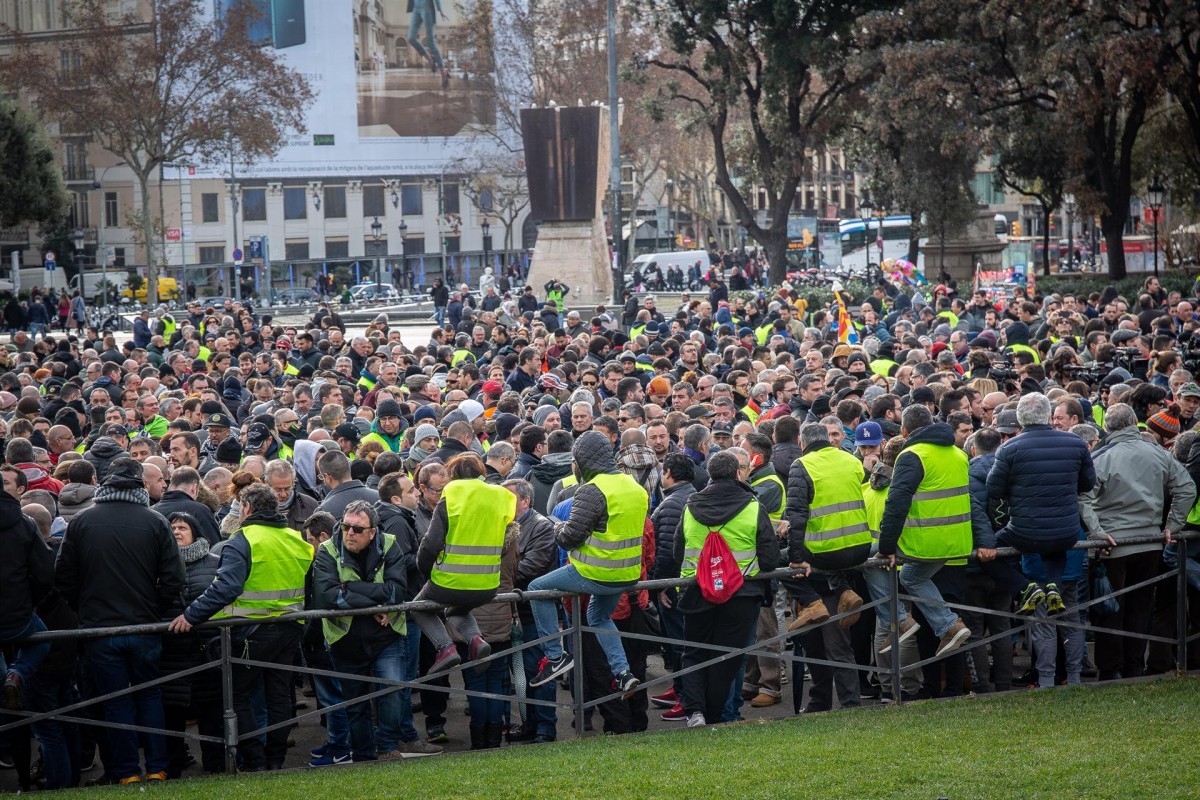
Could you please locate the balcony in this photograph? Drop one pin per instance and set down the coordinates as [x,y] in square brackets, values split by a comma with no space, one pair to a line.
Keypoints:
[78,173]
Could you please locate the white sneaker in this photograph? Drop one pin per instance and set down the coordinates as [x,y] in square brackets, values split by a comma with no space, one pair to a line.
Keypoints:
[696,720]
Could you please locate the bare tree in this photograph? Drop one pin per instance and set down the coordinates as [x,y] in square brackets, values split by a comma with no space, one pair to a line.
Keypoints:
[159,88]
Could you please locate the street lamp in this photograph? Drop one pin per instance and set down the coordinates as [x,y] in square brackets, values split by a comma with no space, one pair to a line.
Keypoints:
[404,253]
[865,209]
[670,222]
[486,227]
[1069,210]
[1155,195]
[377,234]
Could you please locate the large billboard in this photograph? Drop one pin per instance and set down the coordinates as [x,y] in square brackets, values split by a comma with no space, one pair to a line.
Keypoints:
[400,85]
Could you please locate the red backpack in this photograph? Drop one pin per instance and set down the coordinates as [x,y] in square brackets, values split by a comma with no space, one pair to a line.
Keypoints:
[717,572]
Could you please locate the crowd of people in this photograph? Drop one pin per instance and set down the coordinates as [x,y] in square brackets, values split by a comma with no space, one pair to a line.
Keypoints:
[221,466]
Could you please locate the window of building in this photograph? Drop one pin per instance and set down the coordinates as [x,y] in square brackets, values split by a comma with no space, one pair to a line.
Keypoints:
[450,202]
[295,204]
[335,202]
[254,205]
[210,207]
[337,248]
[486,200]
[414,245]
[77,217]
[295,251]
[411,202]
[373,201]
[212,254]
[75,162]
[452,244]
[118,257]
[112,210]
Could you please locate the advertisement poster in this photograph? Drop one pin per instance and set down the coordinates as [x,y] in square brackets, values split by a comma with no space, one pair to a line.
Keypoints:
[400,86]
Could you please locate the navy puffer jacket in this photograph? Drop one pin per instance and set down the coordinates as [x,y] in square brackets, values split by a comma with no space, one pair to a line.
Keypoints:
[1039,475]
[666,521]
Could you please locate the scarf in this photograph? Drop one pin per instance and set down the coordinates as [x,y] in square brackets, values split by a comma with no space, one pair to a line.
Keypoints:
[194,551]
[417,454]
[110,494]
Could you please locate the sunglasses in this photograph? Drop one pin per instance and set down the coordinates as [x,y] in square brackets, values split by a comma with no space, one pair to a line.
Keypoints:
[358,529]
[589,384]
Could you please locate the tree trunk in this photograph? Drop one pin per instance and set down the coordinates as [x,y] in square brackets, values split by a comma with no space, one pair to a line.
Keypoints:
[776,247]
[148,236]
[1046,240]
[1114,233]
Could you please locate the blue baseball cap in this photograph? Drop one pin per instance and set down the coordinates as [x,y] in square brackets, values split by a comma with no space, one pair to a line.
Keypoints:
[868,433]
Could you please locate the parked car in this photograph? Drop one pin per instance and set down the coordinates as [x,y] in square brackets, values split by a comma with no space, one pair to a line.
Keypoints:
[371,292]
[297,296]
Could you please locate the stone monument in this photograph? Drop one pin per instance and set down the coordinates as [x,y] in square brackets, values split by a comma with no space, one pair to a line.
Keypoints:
[566,158]
[979,244]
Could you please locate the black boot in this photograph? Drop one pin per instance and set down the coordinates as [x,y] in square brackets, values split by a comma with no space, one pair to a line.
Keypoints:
[478,737]
[493,735]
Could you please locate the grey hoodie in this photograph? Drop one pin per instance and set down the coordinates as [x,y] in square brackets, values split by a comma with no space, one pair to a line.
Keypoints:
[75,497]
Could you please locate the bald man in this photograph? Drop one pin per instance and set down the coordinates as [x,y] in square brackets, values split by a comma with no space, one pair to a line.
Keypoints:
[990,403]
[59,440]
[153,479]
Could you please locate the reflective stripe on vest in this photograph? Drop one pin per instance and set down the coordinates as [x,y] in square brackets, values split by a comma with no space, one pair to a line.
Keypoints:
[335,628]
[279,562]
[777,514]
[837,514]
[478,515]
[1024,348]
[615,554]
[740,533]
[939,520]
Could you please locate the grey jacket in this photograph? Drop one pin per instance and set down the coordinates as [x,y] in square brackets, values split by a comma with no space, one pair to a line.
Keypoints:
[1134,480]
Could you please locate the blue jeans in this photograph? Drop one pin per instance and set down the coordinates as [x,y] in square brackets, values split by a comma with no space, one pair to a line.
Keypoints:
[544,719]
[916,579]
[337,728]
[391,664]
[424,15]
[28,655]
[59,740]
[485,711]
[599,613]
[439,315]
[1191,551]
[118,662]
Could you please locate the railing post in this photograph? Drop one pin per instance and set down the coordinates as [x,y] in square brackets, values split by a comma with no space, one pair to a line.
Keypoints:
[894,588]
[1181,606]
[577,673]
[231,727]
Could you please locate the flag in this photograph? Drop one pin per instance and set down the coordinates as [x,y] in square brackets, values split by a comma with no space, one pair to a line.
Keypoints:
[845,326]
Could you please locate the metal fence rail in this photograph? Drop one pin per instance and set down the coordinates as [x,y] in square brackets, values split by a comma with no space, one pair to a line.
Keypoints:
[579,704]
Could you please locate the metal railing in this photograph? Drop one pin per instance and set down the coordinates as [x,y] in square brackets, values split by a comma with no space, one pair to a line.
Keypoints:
[579,703]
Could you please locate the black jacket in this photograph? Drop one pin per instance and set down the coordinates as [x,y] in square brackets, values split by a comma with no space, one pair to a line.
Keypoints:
[336,501]
[366,635]
[402,523]
[183,651]
[27,566]
[119,564]
[544,475]
[666,522]
[782,456]
[525,462]
[100,454]
[176,500]
[719,502]
[449,449]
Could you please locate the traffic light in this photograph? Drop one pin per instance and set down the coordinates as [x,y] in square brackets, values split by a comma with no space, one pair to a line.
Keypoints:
[1016,228]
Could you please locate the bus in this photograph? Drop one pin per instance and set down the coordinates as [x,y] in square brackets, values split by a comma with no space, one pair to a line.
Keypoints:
[813,242]
[860,239]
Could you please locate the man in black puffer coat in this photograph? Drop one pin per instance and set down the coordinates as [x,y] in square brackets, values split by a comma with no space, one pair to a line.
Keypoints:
[26,575]
[677,475]
[1038,476]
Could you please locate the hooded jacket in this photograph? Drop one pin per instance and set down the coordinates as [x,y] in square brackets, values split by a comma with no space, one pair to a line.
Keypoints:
[101,453]
[666,519]
[907,475]
[176,500]
[525,463]
[73,498]
[719,502]
[553,467]
[232,572]
[27,569]
[402,523]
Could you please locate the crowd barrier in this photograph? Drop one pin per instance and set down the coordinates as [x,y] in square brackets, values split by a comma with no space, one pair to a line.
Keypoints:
[579,704]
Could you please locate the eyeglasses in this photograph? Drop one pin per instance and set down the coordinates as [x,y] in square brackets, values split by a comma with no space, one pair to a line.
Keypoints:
[624,419]
[357,529]
[589,384]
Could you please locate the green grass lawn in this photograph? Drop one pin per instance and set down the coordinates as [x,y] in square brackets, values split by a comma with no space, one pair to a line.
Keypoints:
[1115,742]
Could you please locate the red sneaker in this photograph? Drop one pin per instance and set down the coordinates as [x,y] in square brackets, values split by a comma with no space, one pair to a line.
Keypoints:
[675,713]
[666,699]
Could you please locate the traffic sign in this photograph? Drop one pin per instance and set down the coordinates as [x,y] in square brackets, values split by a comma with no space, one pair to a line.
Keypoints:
[174,234]
[50,256]
[238,256]
[51,265]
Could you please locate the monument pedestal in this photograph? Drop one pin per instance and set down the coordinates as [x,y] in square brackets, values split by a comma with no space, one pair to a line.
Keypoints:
[575,253]
[979,244]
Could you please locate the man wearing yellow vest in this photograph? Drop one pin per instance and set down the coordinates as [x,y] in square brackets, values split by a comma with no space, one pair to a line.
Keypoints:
[927,519]
[603,537]
[261,574]
[827,524]
[461,554]
[762,684]
[728,506]
[362,567]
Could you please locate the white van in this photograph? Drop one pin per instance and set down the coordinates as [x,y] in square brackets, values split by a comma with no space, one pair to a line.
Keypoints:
[679,258]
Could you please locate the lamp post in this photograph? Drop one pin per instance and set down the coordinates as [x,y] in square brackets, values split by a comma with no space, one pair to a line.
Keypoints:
[1069,210]
[377,234]
[77,235]
[486,227]
[100,247]
[1155,194]
[404,252]
[865,209]
[670,222]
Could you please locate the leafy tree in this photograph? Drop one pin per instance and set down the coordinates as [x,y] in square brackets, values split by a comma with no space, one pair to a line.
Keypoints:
[31,187]
[769,80]
[1032,161]
[149,89]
